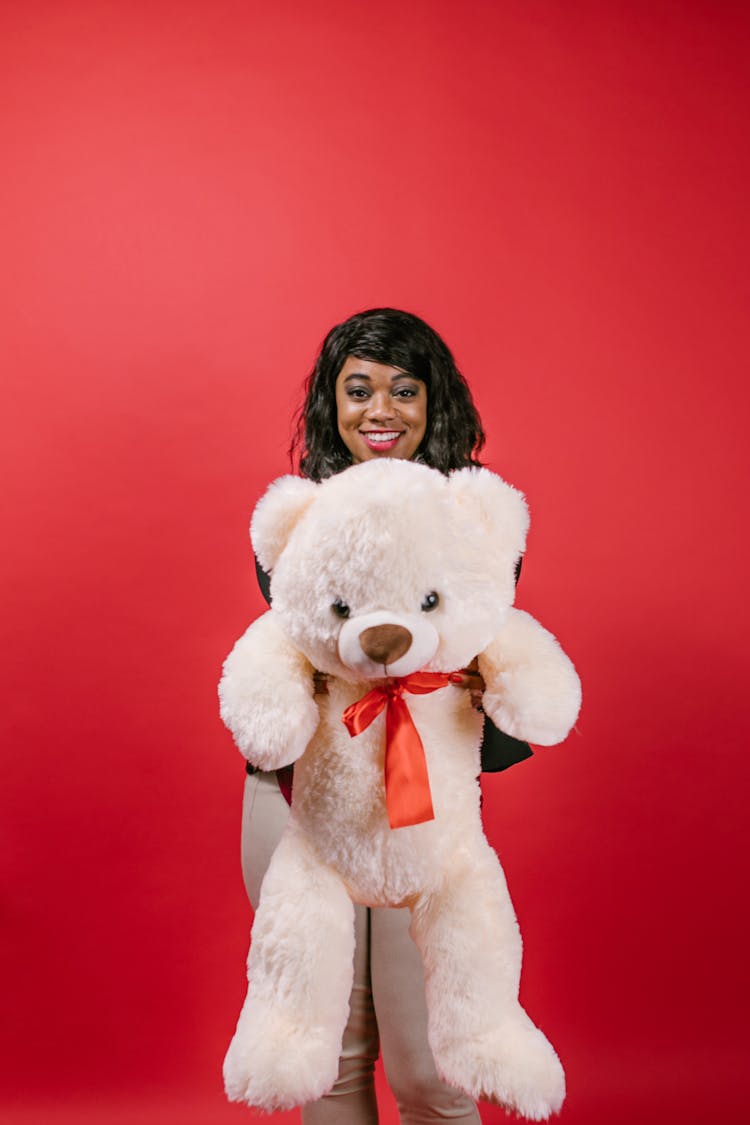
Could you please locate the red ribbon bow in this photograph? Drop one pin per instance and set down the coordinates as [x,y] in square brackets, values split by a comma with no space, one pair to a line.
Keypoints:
[407,785]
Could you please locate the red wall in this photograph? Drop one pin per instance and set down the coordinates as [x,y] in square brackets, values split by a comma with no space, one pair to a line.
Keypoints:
[192,194]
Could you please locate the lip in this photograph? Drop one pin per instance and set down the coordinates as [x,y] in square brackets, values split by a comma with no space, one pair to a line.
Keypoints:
[381,444]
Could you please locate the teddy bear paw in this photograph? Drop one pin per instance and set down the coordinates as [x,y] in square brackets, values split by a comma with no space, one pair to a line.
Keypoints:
[279,1065]
[516,1067]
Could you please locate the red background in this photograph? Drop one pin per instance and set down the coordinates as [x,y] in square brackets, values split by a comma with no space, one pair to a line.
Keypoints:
[192,194]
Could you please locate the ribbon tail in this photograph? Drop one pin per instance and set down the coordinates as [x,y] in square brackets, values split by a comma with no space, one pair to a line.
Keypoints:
[407,784]
[359,715]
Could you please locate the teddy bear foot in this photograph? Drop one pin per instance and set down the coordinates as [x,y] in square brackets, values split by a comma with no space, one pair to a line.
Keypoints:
[279,1066]
[515,1067]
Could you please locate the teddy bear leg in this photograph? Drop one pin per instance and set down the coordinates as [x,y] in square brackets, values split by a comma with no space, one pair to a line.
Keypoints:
[285,1051]
[482,1039]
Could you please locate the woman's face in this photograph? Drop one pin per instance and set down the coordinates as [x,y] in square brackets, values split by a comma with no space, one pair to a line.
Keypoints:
[382,411]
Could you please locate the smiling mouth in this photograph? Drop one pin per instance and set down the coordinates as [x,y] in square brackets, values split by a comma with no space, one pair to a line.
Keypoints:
[381,439]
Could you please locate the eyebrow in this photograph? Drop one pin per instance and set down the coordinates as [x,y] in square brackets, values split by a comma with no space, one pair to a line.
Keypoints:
[362,375]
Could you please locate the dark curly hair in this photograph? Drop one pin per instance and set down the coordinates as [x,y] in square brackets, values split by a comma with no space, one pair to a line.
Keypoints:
[454,434]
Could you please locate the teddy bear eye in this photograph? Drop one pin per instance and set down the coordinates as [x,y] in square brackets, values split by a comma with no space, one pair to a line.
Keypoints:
[431,600]
[341,609]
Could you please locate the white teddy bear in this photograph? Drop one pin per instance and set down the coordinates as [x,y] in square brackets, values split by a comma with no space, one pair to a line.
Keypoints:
[381,574]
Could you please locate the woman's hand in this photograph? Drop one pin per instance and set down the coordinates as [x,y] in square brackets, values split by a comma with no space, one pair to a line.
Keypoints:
[470,679]
[320,683]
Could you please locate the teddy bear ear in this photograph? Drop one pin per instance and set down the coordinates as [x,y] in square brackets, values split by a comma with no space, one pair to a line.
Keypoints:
[276,515]
[499,507]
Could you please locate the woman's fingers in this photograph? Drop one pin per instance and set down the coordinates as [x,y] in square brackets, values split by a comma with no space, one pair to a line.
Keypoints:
[469,680]
[320,683]
[472,682]
[465,679]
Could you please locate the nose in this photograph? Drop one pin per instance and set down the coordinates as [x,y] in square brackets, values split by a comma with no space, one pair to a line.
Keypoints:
[385,643]
[380,407]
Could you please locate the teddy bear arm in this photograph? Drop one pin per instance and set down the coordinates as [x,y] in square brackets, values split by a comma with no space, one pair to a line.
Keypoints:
[532,690]
[266,696]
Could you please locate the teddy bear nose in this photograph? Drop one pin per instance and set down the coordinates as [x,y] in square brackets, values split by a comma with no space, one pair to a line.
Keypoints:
[385,643]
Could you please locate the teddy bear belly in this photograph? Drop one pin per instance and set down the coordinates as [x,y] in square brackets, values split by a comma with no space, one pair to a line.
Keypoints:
[339,803]
[385,866]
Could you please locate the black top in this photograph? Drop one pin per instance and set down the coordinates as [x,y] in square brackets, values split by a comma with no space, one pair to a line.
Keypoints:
[499,750]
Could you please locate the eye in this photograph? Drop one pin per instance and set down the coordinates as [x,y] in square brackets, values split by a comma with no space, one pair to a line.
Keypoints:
[357,392]
[341,609]
[431,601]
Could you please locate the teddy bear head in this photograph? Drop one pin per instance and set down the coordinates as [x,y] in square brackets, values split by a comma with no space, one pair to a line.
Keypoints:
[390,567]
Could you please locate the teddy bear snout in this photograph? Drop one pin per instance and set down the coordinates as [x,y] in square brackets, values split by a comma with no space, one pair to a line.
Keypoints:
[385,643]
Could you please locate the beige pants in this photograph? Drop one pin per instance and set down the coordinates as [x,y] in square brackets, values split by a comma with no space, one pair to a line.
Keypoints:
[388,1008]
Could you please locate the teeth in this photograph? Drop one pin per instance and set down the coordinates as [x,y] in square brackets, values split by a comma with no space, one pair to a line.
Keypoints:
[372,436]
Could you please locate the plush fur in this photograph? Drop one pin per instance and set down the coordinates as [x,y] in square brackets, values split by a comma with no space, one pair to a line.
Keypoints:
[379,538]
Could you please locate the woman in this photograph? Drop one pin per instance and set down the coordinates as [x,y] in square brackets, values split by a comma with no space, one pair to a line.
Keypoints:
[384,385]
